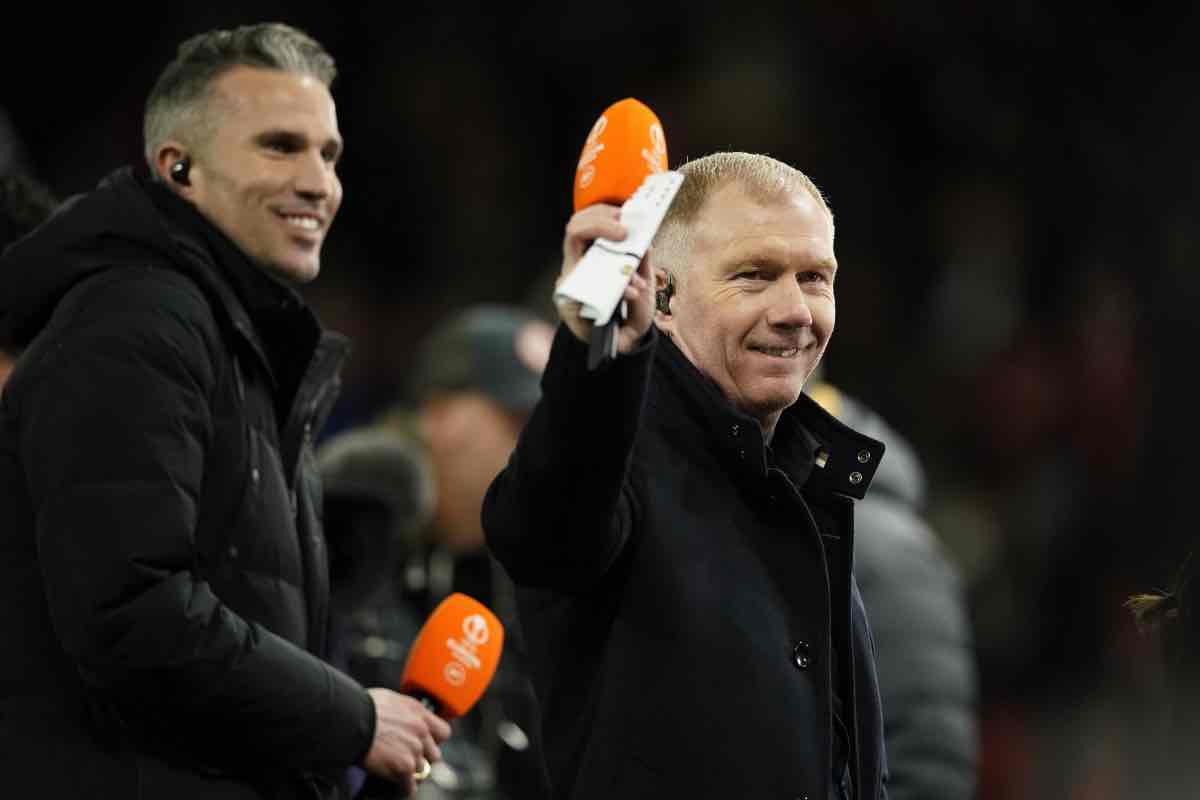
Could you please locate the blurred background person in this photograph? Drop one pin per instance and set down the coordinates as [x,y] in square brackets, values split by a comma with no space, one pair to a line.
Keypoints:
[919,620]
[1171,619]
[24,204]
[13,153]
[402,507]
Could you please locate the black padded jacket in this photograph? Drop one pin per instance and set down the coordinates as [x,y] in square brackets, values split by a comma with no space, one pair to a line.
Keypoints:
[163,575]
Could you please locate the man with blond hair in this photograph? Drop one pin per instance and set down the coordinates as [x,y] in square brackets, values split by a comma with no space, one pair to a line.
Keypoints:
[163,584]
[680,522]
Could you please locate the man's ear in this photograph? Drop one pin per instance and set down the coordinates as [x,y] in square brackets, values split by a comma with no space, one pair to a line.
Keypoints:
[171,154]
[664,291]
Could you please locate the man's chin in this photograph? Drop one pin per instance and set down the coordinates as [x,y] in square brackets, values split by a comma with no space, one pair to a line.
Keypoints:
[293,273]
[771,404]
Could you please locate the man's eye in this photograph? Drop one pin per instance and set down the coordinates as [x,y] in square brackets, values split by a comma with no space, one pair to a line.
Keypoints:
[814,277]
[749,274]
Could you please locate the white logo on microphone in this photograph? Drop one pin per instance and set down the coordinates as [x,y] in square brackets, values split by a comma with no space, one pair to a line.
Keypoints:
[656,158]
[591,149]
[455,673]
[475,628]
[464,650]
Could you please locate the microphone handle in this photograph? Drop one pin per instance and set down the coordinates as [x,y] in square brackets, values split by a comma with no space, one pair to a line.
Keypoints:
[602,346]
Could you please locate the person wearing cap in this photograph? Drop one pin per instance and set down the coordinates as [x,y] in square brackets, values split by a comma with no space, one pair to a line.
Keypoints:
[402,512]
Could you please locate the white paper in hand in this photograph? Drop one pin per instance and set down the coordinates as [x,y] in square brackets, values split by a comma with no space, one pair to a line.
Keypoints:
[600,277]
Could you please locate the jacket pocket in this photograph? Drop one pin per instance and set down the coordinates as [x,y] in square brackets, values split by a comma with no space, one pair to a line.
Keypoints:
[265,539]
[259,570]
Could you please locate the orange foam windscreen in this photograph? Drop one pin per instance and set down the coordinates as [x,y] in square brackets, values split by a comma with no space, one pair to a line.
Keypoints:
[625,145]
[455,655]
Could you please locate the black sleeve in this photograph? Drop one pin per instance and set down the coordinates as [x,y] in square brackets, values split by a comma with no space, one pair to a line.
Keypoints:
[560,512]
[115,425]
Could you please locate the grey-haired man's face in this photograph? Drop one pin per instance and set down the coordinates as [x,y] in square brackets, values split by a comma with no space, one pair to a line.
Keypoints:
[267,175]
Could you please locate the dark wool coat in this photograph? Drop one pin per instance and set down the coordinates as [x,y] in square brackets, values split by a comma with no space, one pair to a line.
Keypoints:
[687,594]
[163,583]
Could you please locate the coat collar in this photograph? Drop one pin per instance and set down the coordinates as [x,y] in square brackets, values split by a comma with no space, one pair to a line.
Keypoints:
[258,306]
[818,453]
[255,289]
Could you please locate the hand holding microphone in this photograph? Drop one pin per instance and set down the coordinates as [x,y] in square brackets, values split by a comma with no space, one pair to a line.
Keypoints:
[449,666]
[585,227]
[406,739]
[605,279]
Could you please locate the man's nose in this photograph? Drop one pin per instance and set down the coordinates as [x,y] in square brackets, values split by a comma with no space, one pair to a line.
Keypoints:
[315,178]
[789,305]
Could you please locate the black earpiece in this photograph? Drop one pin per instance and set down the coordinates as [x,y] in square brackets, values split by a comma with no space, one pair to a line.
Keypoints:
[180,170]
[662,297]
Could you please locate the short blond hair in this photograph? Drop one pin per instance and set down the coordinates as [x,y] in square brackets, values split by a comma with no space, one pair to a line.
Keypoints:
[765,179]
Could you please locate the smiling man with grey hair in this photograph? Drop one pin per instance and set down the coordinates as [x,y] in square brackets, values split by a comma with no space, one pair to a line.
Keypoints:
[164,585]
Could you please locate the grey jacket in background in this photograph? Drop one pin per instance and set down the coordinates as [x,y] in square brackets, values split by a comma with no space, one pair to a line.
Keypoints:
[917,611]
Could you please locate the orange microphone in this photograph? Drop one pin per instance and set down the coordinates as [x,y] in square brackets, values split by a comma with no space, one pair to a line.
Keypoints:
[454,657]
[625,145]
[622,163]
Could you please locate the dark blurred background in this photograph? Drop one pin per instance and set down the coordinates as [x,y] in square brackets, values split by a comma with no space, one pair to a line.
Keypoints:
[1016,201]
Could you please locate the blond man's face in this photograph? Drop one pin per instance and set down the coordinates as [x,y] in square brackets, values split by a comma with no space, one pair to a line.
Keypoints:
[754,306]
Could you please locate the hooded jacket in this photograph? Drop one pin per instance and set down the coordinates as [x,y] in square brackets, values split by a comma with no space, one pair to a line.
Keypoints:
[163,584]
[685,590]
